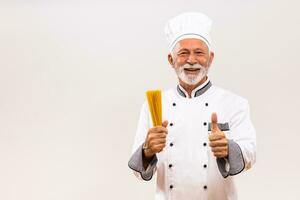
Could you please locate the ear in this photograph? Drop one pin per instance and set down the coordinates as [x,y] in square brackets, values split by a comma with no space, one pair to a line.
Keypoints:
[211,57]
[170,59]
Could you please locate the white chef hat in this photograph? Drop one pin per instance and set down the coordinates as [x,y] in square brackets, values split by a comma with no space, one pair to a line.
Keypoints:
[188,25]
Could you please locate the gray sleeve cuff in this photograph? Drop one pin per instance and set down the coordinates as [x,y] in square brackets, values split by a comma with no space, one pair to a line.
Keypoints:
[136,164]
[235,163]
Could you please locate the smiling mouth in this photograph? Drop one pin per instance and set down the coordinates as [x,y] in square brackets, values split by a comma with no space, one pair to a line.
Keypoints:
[191,69]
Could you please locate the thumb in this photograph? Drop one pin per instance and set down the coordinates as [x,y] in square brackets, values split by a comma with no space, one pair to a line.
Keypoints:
[165,123]
[214,122]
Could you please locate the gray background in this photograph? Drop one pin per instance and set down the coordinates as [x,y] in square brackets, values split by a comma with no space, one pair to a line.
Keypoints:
[73,75]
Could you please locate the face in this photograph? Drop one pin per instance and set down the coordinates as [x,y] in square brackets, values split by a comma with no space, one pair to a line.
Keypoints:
[191,60]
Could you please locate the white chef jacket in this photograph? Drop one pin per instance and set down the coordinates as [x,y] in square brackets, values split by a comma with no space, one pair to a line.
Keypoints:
[187,169]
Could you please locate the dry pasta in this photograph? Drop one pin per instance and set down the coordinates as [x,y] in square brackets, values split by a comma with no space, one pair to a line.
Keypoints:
[155,107]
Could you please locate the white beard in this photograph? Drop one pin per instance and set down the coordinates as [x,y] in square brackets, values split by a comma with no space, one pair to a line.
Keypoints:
[191,79]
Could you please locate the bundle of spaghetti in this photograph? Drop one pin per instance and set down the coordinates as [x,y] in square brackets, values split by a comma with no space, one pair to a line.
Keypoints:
[155,107]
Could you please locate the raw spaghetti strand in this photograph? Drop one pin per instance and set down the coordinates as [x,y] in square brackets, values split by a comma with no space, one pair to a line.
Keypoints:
[155,107]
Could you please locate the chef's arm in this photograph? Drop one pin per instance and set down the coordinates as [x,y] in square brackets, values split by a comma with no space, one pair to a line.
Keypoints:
[144,168]
[241,145]
[234,163]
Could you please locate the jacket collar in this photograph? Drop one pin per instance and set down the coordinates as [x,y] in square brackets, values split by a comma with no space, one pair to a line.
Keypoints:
[197,91]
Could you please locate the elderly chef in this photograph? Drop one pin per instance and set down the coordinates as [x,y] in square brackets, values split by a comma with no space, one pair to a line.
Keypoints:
[206,137]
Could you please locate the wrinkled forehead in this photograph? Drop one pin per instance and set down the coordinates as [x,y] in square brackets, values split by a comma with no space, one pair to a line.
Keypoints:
[190,44]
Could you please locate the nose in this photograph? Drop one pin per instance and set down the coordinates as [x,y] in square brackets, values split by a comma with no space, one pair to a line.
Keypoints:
[191,59]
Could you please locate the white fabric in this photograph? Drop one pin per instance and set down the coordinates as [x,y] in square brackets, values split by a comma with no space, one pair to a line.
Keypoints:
[188,25]
[188,154]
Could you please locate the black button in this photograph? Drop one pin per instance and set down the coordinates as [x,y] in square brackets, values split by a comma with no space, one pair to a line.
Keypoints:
[170,165]
[171,186]
[171,124]
[174,104]
[206,104]
[204,123]
[171,144]
[205,187]
[204,144]
[204,165]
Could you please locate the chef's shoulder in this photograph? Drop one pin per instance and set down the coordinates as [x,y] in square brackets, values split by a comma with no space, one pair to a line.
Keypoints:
[229,100]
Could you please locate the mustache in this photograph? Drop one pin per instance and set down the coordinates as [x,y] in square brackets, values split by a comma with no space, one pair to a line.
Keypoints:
[194,66]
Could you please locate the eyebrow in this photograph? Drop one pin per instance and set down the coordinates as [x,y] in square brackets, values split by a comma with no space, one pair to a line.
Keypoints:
[199,49]
[185,49]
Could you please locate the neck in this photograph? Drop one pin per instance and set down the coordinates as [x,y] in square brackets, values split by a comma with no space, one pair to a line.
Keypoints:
[189,88]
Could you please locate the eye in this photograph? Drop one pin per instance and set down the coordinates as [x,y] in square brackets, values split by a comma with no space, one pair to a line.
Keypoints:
[183,53]
[199,52]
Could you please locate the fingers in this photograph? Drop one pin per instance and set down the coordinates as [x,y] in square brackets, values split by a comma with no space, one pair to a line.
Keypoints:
[154,136]
[220,154]
[157,137]
[216,136]
[158,148]
[219,149]
[162,128]
[159,129]
[157,141]
[165,123]
[156,145]
[214,122]
[218,143]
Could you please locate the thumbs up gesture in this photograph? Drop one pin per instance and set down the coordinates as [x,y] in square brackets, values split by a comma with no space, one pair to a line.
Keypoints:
[217,139]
